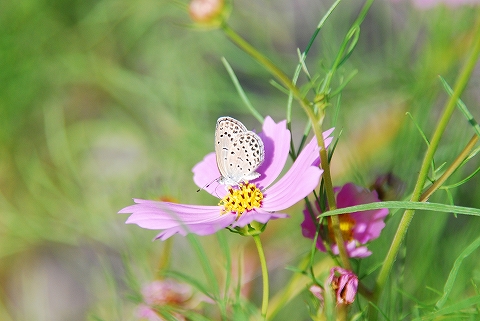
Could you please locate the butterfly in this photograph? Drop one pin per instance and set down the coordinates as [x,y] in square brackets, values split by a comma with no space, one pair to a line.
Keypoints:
[239,152]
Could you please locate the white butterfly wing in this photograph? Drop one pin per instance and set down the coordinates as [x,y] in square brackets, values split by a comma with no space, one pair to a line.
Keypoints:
[239,152]
[245,155]
[225,132]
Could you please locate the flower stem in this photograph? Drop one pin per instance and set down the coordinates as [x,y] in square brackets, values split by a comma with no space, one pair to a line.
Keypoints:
[164,260]
[327,179]
[263,264]
[442,123]
[315,117]
[452,168]
[289,291]
[269,65]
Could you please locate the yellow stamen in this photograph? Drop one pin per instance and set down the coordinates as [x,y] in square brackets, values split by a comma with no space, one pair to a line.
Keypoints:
[347,223]
[245,198]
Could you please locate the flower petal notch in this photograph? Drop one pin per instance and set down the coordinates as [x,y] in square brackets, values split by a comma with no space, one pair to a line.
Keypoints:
[357,228]
[259,200]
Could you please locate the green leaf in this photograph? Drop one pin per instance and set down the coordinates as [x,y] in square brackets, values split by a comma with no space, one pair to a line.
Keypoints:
[461,105]
[454,308]
[241,92]
[222,241]
[453,273]
[426,206]
[189,280]
[206,266]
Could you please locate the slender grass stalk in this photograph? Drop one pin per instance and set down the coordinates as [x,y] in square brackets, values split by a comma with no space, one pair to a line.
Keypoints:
[314,113]
[345,51]
[209,273]
[452,168]
[241,92]
[462,107]
[263,264]
[305,53]
[164,260]
[289,291]
[442,123]
[266,63]
[454,272]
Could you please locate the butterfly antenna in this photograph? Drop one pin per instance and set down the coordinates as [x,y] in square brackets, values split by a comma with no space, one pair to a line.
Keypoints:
[207,185]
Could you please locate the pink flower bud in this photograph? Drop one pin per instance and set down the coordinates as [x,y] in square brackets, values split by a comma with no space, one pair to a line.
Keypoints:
[206,11]
[344,283]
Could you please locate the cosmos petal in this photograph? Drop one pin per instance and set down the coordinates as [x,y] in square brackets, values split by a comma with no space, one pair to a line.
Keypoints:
[327,141]
[258,215]
[206,176]
[297,183]
[353,249]
[177,218]
[326,134]
[276,140]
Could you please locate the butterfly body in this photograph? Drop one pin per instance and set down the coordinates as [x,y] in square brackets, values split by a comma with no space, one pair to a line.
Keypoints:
[239,152]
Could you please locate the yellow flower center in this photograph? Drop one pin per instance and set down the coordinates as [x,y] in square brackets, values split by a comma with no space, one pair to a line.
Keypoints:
[245,198]
[347,223]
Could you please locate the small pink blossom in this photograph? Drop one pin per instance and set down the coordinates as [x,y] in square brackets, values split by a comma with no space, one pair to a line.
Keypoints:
[358,228]
[146,313]
[317,291]
[166,292]
[160,293]
[299,181]
[345,285]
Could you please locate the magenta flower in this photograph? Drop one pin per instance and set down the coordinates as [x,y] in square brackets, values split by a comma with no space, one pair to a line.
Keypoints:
[258,200]
[357,228]
[344,283]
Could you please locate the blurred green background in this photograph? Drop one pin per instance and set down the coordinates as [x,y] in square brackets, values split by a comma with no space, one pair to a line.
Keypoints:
[102,101]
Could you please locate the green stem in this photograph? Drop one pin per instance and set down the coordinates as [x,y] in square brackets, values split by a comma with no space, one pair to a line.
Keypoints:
[164,260]
[315,117]
[442,123]
[348,37]
[292,289]
[263,264]
[269,65]
[452,168]
[327,179]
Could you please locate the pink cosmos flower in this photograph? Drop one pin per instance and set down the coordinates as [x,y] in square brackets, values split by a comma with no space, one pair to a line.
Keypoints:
[344,283]
[162,293]
[357,228]
[258,200]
